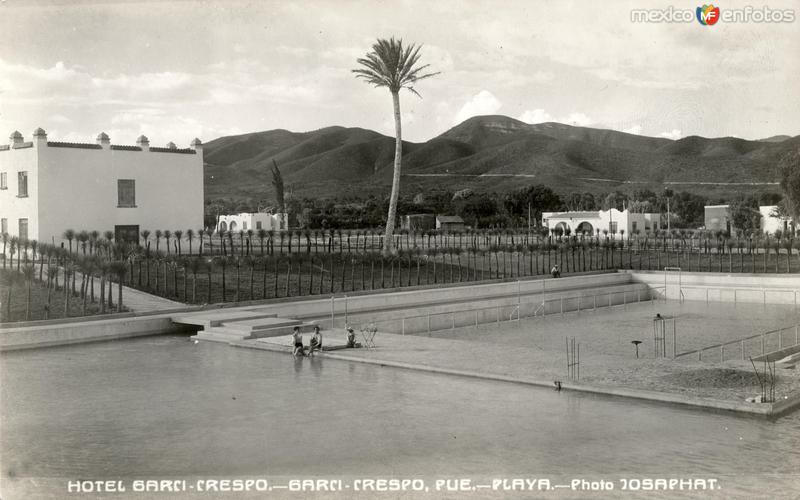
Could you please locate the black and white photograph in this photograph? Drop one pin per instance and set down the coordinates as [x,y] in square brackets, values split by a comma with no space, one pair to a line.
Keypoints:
[373,249]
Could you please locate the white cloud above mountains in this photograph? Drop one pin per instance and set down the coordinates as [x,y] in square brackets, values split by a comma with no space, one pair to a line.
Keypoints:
[482,103]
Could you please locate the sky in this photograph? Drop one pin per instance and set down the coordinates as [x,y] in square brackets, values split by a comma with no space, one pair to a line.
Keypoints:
[183,69]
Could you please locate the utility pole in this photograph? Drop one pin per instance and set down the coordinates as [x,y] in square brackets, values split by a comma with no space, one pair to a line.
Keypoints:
[668,196]
[529,218]
[668,227]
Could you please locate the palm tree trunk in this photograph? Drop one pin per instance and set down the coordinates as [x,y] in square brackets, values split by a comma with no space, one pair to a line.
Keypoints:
[388,240]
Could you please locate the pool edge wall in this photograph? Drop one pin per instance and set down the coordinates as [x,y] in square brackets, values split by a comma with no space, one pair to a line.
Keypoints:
[14,339]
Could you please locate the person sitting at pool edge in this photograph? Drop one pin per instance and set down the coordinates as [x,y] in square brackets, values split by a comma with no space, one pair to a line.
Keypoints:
[556,272]
[351,338]
[298,342]
[316,341]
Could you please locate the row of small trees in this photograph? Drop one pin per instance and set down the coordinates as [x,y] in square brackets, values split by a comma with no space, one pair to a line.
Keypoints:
[85,277]
[263,242]
[270,276]
[87,271]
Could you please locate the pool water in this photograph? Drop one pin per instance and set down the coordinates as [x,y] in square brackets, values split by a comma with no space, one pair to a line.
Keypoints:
[166,407]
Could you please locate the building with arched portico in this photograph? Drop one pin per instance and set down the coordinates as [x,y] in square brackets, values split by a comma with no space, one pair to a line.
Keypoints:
[252,221]
[611,221]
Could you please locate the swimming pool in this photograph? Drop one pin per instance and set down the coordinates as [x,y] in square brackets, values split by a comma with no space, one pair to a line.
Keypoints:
[165,407]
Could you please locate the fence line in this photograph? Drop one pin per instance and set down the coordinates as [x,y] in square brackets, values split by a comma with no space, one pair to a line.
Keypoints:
[497,313]
[795,294]
[764,338]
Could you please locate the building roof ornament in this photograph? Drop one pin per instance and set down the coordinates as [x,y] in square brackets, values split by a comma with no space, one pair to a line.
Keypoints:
[39,132]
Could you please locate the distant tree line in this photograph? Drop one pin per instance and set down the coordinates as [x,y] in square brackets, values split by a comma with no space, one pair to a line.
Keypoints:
[511,210]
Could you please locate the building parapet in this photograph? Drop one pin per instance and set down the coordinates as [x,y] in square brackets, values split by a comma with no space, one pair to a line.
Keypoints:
[119,147]
[103,142]
[56,144]
[183,151]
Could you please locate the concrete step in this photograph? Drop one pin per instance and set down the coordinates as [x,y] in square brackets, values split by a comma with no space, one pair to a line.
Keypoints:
[251,325]
[281,330]
[208,319]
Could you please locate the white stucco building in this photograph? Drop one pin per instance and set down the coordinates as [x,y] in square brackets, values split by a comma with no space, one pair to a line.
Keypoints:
[771,222]
[252,221]
[48,187]
[718,218]
[613,221]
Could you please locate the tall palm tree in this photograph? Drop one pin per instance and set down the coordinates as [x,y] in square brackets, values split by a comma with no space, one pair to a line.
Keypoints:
[391,65]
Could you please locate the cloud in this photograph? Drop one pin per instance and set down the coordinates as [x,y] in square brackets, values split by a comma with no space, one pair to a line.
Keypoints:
[635,129]
[482,103]
[533,116]
[675,134]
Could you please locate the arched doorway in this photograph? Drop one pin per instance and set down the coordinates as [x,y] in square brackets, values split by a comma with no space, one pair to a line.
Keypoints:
[233,225]
[562,226]
[584,228]
[223,226]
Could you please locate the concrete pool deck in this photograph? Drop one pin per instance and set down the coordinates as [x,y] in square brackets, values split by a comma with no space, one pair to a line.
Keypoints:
[600,374]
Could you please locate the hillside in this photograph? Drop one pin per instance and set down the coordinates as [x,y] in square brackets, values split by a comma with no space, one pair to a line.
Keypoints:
[488,153]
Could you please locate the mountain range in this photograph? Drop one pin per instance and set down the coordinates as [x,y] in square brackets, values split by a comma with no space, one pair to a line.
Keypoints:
[489,153]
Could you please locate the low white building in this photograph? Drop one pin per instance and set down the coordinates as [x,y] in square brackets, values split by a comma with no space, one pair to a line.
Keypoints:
[613,221]
[718,218]
[252,221]
[772,222]
[47,187]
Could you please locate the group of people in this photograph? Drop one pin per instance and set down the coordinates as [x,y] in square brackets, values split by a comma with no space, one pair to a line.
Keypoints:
[316,341]
[314,345]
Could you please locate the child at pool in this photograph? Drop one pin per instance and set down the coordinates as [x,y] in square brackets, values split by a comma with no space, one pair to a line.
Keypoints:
[298,342]
[316,341]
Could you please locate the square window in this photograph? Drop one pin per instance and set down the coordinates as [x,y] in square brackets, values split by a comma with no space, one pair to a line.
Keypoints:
[258,224]
[4,226]
[126,193]
[22,178]
[23,229]
[3,180]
